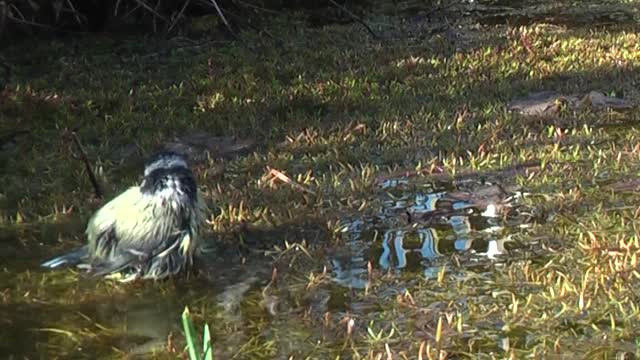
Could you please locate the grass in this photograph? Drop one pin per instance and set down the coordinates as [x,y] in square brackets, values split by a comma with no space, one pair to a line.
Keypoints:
[193,345]
[333,110]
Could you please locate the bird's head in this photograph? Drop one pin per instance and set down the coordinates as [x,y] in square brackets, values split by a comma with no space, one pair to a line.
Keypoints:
[167,175]
[164,160]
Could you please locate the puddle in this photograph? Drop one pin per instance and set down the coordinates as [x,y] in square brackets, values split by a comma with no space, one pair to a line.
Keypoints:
[133,324]
[62,312]
[420,231]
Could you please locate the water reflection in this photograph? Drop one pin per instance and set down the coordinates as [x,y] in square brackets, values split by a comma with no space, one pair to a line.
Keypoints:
[396,250]
[350,263]
[419,247]
[150,322]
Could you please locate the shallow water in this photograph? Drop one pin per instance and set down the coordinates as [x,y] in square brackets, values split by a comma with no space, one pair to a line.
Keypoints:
[390,242]
[61,313]
[418,232]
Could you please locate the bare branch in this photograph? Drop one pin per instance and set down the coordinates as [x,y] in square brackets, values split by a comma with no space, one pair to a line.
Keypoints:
[177,18]
[151,10]
[224,20]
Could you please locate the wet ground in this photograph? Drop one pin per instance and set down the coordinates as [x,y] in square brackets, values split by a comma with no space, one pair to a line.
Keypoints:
[420,231]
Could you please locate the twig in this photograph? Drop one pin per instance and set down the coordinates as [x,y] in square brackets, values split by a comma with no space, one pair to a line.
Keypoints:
[260,8]
[224,20]
[175,21]
[85,159]
[116,7]
[27,22]
[355,17]
[151,10]
[16,10]
[75,12]
[128,13]
[16,16]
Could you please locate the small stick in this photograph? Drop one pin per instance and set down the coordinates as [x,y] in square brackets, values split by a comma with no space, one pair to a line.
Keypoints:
[355,17]
[85,159]
[175,21]
[115,8]
[224,19]
[75,12]
[151,10]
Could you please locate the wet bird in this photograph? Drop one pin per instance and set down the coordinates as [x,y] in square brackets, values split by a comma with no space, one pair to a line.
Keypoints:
[150,231]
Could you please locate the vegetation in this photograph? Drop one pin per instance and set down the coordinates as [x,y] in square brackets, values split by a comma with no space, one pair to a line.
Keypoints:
[299,216]
[195,351]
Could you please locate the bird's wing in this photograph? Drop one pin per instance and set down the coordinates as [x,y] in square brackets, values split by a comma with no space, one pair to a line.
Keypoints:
[100,232]
[121,225]
[147,225]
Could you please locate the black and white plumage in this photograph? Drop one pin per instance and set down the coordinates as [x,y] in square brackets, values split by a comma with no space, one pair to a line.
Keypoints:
[149,231]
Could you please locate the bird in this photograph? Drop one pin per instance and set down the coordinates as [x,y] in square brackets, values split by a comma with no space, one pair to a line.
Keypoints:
[149,231]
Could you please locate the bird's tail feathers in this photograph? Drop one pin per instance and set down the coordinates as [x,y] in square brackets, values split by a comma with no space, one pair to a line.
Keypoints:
[112,265]
[71,258]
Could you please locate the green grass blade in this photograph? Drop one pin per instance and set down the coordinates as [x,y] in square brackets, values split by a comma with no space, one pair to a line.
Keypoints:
[189,334]
[206,341]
